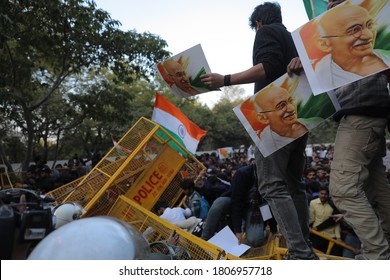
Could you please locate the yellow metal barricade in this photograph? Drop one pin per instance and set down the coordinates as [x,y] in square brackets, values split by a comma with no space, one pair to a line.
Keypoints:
[332,243]
[274,248]
[145,165]
[157,230]
[5,181]
[60,193]
[11,179]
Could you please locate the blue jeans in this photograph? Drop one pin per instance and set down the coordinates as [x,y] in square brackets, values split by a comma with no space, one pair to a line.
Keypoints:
[254,229]
[217,214]
[280,184]
[352,240]
[215,221]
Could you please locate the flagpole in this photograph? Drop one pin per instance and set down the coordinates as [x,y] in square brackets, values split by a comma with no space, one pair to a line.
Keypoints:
[6,173]
[313,11]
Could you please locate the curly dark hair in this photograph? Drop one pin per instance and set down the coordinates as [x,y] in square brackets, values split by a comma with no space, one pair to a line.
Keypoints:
[266,13]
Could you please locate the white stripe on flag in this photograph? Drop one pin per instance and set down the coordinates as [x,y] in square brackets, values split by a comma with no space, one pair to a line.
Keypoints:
[173,124]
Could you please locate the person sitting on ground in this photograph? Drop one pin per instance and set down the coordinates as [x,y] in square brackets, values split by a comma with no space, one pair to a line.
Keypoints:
[348,235]
[242,203]
[178,216]
[193,197]
[45,181]
[320,210]
[30,179]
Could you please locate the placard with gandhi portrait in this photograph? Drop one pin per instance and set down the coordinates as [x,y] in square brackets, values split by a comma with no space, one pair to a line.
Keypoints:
[345,44]
[283,111]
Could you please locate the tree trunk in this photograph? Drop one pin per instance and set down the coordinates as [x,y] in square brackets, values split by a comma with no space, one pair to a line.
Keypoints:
[57,148]
[30,138]
[4,159]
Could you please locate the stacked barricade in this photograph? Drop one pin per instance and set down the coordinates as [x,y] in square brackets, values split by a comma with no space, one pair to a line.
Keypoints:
[159,232]
[145,165]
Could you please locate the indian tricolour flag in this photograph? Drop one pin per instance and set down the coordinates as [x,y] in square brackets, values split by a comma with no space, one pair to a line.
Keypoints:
[181,128]
[315,7]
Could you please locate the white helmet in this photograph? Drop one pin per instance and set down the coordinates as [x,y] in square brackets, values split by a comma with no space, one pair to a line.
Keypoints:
[94,238]
[66,213]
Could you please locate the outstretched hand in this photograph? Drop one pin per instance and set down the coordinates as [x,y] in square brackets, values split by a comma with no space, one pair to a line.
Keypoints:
[212,80]
[295,66]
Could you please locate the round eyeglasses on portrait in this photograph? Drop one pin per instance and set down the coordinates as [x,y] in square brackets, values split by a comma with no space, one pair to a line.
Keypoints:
[281,106]
[355,30]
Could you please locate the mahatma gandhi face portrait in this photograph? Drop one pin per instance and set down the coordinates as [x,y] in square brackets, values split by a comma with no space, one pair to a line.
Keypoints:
[348,32]
[178,75]
[276,107]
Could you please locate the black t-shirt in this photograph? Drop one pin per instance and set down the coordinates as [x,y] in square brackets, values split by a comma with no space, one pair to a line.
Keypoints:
[274,48]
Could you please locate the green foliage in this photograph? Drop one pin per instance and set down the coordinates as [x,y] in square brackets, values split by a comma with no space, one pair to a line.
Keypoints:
[45,43]
[223,126]
[70,79]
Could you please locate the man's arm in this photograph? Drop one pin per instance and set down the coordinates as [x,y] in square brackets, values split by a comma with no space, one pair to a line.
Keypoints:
[268,55]
[251,75]
[325,224]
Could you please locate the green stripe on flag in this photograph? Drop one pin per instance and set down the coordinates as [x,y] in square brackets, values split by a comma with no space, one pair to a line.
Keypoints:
[173,144]
[315,7]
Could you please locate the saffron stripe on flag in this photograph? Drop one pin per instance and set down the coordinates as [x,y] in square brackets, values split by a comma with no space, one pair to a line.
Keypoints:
[165,105]
[175,122]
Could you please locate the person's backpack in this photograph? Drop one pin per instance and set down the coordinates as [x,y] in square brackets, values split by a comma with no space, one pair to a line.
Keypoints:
[204,208]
